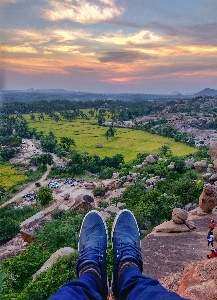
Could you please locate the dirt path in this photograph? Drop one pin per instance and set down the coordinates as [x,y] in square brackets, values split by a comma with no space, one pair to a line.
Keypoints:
[30,188]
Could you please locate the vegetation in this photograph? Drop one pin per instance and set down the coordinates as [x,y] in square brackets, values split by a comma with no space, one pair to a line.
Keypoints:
[44,195]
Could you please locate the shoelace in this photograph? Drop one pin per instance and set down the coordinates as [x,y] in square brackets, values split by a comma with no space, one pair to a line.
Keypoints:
[91,253]
[129,250]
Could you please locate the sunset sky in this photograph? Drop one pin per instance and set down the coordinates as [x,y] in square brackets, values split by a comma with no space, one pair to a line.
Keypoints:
[120,46]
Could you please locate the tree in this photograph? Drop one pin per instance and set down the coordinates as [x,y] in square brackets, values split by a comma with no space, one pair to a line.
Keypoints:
[110,132]
[8,228]
[164,151]
[49,142]
[32,117]
[67,142]
[44,195]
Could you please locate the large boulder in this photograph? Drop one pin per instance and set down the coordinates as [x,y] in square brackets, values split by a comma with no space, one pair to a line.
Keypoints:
[151,159]
[208,198]
[89,185]
[53,258]
[171,227]
[213,151]
[213,178]
[200,165]
[215,164]
[179,216]
[200,282]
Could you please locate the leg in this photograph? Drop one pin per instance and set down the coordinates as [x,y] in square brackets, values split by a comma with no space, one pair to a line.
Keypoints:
[208,243]
[128,281]
[211,243]
[86,287]
[91,264]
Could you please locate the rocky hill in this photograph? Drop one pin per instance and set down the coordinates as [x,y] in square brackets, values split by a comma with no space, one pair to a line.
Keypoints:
[206,92]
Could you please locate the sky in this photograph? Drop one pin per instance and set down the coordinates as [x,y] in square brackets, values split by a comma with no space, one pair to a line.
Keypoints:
[109,46]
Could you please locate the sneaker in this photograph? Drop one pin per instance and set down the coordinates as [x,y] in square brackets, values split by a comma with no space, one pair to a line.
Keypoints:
[126,246]
[92,247]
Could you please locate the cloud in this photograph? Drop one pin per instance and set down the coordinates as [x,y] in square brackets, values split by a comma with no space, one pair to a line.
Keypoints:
[123,56]
[141,37]
[82,11]
[5,2]
[18,49]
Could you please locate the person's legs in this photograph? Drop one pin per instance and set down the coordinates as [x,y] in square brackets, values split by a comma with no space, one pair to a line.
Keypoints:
[128,281]
[91,264]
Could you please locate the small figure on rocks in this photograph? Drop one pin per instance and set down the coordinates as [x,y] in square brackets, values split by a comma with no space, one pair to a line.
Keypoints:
[212,224]
[213,253]
[210,238]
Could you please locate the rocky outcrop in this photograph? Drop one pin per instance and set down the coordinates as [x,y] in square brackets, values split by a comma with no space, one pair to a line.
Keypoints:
[89,185]
[213,151]
[179,216]
[171,227]
[189,163]
[208,198]
[213,178]
[200,282]
[215,233]
[153,180]
[66,196]
[200,165]
[56,255]
[152,159]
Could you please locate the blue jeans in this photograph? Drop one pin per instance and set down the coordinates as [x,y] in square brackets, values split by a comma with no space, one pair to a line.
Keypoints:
[133,286]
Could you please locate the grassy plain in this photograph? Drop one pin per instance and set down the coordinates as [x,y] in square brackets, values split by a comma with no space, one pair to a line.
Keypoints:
[9,176]
[127,141]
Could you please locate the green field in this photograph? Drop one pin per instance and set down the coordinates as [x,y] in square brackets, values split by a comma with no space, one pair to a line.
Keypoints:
[127,141]
[9,176]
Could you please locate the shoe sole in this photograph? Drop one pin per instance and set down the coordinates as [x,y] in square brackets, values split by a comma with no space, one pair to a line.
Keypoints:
[113,227]
[96,211]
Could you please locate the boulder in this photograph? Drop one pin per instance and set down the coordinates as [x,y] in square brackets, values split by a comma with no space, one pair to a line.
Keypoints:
[89,185]
[151,159]
[115,175]
[213,178]
[210,168]
[53,258]
[66,196]
[215,164]
[171,227]
[153,180]
[200,165]
[200,282]
[171,166]
[208,198]
[98,145]
[206,175]
[126,184]
[213,151]
[112,209]
[189,163]
[27,235]
[179,216]
[190,224]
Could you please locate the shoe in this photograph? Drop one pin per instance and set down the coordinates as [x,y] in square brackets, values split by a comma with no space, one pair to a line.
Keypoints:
[126,246]
[92,247]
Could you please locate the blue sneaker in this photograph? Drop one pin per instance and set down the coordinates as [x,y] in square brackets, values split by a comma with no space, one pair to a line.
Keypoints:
[92,247]
[126,246]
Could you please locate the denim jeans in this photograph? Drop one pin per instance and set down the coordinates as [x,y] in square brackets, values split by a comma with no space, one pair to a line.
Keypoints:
[133,286]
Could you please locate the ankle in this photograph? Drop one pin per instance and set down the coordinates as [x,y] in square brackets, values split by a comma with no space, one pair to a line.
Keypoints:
[125,265]
[91,268]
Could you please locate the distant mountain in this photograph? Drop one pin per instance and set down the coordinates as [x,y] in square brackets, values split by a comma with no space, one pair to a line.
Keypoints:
[206,92]
[176,93]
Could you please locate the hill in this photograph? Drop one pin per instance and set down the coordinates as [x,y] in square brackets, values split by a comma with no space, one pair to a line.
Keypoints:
[206,92]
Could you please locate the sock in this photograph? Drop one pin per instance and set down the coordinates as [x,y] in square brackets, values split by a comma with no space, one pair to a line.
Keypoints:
[125,265]
[91,268]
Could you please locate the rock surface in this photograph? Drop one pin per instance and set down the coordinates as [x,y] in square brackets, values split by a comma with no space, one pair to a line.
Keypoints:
[56,255]
[208,198]
[200,282]
[179,216]
[171,227]
[213,151]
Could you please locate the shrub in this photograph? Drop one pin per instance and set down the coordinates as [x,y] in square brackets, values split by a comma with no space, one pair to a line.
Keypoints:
[44,195]
[99,191]
[8,229]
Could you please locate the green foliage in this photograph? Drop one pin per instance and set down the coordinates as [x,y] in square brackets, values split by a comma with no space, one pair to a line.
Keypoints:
[48,142]
[99,191]
[44,195]
[61,232]
[10,220]
[106,173]
[47,283]
[42,159]
[8,228]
